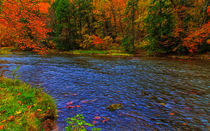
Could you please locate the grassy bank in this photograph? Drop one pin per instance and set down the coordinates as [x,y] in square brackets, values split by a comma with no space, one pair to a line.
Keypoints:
[6,50]
[25,108]
[93,52]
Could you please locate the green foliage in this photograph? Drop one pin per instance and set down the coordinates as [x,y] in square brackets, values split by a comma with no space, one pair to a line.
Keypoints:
[131,13]
[72,21]
[0,5]
[77,123]
[61,25]
[87,42]
[160,25]
[126,42]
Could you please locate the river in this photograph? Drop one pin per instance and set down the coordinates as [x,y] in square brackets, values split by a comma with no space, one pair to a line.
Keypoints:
[156,93]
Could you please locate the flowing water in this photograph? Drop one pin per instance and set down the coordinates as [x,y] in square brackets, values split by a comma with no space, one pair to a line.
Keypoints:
[156,93]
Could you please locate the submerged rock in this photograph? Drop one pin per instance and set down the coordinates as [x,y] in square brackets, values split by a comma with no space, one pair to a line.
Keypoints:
[114,107]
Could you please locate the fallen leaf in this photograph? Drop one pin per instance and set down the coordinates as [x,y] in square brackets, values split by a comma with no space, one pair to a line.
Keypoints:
[184,124]
[105,119]
[18,112]
[69,103]
[84,101]
[172,114]
[97,117]
[39,109]
[163,104]
[1,127]
[77,106]
[70,106]
[10,117]
[19,102]
[29,106]
[94,122]
[19,94]
[3,121]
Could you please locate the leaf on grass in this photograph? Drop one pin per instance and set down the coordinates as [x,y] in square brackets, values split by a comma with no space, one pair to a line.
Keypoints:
[39,109]
[3,121]
[11,118]
[1,127]
[18,112]
[29,106]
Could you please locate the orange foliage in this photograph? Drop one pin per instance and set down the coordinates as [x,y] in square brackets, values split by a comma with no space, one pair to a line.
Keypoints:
[197,38]
[43,7]
[23,19]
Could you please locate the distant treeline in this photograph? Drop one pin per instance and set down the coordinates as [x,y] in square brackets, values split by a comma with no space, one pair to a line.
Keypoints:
[158,26]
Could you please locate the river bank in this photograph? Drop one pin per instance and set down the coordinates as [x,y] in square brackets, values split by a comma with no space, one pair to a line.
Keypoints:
[114,53]
[24,107]
[119,53]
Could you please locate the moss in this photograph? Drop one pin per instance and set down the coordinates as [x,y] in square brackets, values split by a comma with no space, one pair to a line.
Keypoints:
[24,107]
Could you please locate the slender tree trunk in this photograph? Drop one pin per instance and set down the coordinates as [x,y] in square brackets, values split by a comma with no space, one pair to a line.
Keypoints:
[205,13]
[120,22]
[133,28]
[114,17]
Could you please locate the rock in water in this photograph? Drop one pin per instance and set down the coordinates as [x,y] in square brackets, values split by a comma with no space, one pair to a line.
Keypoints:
[114,107]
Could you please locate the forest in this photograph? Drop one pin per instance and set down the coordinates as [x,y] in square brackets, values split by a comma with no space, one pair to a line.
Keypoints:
[155,26]
[112,65]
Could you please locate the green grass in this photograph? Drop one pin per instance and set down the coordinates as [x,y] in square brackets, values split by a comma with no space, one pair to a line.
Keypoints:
[6,50]
[89,52]
[23,107]
[98,52]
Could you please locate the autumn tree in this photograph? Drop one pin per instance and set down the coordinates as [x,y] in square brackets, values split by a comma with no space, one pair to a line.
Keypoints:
[25,23]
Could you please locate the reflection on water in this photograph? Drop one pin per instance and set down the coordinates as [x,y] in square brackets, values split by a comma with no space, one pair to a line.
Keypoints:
[157,94]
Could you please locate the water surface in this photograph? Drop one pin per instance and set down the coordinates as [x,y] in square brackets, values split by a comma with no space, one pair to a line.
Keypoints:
[157,93]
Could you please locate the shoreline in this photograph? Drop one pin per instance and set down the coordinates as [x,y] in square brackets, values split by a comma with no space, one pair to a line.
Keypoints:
[113,53]
[205,56]
[24,107]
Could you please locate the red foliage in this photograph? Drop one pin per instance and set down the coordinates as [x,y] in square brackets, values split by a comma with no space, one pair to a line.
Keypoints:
[97,40]
[23,19]
[197,37]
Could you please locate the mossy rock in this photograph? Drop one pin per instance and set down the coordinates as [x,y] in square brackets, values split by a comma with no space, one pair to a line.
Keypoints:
[114,107]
